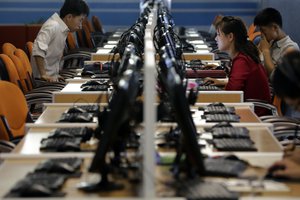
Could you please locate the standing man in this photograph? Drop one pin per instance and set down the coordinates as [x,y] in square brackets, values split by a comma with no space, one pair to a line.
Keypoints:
[50,42]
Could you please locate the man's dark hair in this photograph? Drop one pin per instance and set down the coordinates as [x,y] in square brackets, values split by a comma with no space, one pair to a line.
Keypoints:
[286,82]
[74,7]
[268,16]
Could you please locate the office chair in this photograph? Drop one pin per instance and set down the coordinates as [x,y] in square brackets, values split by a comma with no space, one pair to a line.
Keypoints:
[28,49]
[14,112]
[97,24]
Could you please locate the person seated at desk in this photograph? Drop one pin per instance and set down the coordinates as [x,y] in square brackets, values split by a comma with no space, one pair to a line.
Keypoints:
[247,74]
[286,84]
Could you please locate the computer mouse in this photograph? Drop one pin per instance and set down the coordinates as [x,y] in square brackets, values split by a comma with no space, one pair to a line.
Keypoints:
[76,109]
[36,190]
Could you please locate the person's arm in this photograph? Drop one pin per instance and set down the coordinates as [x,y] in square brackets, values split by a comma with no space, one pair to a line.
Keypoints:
[291,169]
[264,47]
[216,82]
[40,62]
[240,71]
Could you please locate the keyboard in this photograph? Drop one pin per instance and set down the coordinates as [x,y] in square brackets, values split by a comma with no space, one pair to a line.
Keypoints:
[197,189]
[60,144]
[81,132]
[221,118]
[38,184]
[230,132]
[208,88]
[73,162]
[224,167]
[76,117]
[90,108]
[229,144]
[95,88]
[218,110]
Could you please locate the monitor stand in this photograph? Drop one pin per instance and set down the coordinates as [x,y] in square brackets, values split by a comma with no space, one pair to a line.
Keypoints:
[103,185]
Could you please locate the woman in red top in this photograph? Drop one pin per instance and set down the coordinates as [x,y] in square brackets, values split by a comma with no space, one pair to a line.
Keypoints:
[247,74]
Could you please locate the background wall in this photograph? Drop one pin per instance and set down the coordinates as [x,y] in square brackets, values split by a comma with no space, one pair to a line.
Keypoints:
[123,13]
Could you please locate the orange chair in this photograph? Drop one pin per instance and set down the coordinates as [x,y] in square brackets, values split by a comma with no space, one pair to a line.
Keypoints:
[28,48]
[97,24]
[14,112]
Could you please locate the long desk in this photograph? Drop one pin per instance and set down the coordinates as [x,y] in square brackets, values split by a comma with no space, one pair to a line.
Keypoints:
[72,93]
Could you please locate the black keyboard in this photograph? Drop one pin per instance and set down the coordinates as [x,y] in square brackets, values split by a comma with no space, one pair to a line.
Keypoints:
[81,132]
[224,167]
[197,189]
[88,108]
[230,132]
[221,118]
[38,184]
[76,117]
[51,181]
[218,110]
[95,88]
[229,144]
[208,88]
[60,144]
[73,162]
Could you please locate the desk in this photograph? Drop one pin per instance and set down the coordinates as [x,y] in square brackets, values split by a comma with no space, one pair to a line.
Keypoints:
[72,93]
[53,112]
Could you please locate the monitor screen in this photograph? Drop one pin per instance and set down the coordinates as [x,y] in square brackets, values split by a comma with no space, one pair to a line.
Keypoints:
[120,107]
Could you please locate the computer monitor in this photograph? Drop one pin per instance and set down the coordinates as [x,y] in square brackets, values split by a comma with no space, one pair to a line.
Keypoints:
[172,84]
[120,107]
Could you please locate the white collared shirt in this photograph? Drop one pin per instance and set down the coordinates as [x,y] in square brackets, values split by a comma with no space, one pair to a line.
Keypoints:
[49,44]
[278,48]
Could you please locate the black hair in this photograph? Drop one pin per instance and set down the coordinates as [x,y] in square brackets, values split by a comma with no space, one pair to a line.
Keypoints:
[268,16]
[236,26]
[286,82]
[74,7]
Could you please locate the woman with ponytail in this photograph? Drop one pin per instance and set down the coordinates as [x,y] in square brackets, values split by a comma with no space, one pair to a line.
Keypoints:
[247,74]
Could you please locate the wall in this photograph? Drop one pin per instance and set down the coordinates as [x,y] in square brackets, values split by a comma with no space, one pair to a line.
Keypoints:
[290,15]
[123,13]
[120,13]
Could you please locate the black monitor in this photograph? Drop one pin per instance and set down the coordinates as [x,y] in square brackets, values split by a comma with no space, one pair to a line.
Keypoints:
[120,108]
[189,143]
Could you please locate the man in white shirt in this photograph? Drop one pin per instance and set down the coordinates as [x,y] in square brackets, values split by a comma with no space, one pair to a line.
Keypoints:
[50,42]
[274,42]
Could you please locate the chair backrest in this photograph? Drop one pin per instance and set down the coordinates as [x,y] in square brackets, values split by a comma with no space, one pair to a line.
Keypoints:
[97,24]
[21,69]
[12,72]
[89,25]
[87,36]
[8,48]
[13,111]
[71,41]
[26,63]
[28,49]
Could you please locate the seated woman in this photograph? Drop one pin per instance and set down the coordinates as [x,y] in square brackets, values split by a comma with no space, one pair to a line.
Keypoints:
[247,74]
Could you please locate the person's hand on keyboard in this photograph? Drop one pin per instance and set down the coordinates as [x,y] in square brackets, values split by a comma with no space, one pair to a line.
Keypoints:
[285,168]
[213,81]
